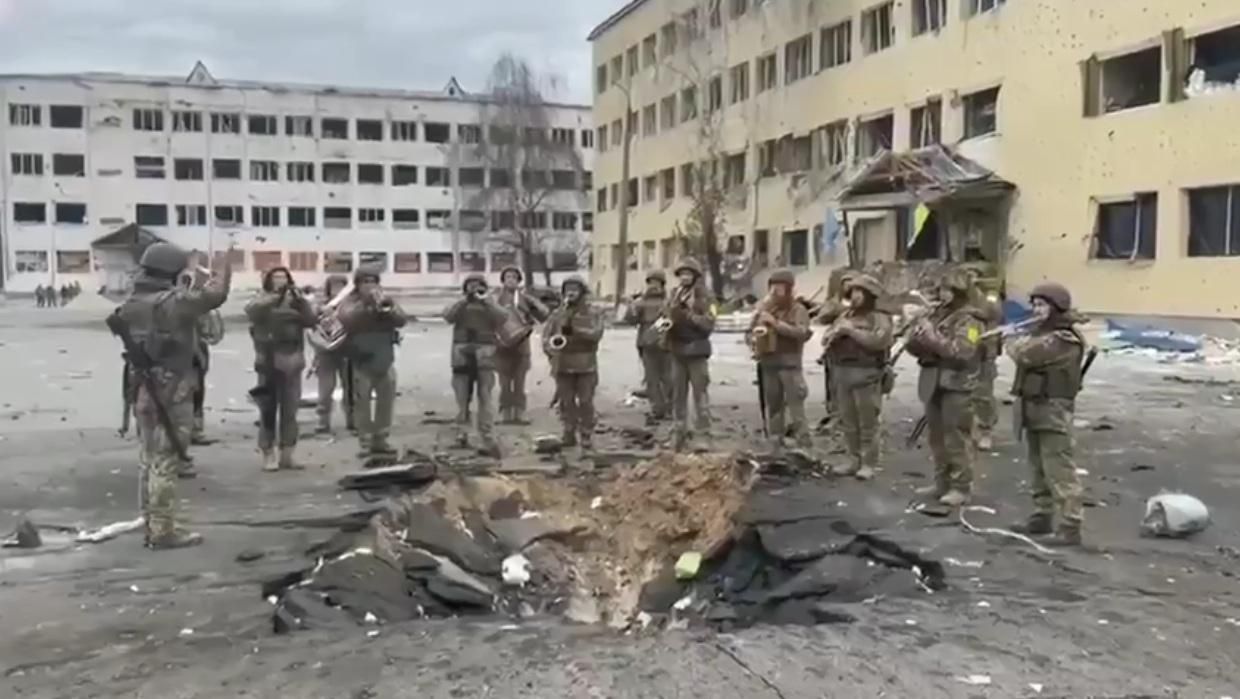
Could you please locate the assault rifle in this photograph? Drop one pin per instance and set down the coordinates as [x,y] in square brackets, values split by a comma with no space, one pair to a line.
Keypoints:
[135,357]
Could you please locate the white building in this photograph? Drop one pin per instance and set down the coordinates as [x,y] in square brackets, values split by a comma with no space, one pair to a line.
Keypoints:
[318,178]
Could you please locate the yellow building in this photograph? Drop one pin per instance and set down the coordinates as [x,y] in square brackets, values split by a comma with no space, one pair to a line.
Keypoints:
[1094,142]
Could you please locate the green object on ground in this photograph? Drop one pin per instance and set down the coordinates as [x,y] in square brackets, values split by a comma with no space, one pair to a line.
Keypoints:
[688,564]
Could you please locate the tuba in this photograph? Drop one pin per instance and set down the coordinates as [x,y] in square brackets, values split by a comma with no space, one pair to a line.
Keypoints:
[330,334]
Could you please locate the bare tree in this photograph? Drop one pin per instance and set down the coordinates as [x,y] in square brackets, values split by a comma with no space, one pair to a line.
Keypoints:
[528,166]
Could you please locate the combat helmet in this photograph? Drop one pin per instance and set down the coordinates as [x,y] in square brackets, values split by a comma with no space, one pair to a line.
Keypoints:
[866,283]
[164,258]
[782,276]
[1053,293]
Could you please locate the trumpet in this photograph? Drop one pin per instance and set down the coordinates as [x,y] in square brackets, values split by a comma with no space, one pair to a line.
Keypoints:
[557,342]
[662,324]
[478,294]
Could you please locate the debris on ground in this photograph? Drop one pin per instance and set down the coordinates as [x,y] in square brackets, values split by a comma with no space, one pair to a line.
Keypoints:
[24,536]
[250,555]
[1174,515]
[111,531]
[414,469]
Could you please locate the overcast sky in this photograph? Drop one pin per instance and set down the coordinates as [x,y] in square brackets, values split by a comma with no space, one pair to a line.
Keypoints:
[416,44]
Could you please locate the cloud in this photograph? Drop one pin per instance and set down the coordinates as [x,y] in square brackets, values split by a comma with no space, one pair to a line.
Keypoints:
[380,43]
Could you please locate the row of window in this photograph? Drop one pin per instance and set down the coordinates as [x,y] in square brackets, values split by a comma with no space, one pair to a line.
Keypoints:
[79,261]
[189,121]
[826,146]
[1128,230]
[308,217]
[835,42]
[194,169]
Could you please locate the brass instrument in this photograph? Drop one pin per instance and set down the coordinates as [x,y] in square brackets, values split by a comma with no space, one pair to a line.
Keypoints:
[662,324]
[330,334]
[478,294]
[557,342]
[762,336]
[1012,328]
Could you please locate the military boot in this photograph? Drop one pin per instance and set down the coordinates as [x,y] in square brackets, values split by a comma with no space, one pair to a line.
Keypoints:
[587,442]
[379,445]
[176,539]
[954,498]
[270,463]
[324,426]
[518,417]
[490,448]
[864,473]
[198,435]
[287,462]
[1038,524]
[186,470]
[1068,534]
[568,439]
[680,440]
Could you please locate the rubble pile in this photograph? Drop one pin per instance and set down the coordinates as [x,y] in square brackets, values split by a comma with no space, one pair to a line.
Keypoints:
[672,540]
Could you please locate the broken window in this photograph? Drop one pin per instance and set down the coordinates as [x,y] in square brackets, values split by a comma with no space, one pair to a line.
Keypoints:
[25,115]
[799,59]
[337,217]
[264,171]
[404,130]
[226,169]
[602,138]
[668,113]
[534,135]
[31,163]
[650,120]
[334,128]
[469,133]
[981,113]
[650,46]
[503,220]
[600,78]
[406,219]
[1125,82]
[66,116]
[875,135]
[587,138]
[403,175]
[337,262]
[600,200]
[303,261]
[563,221]
[29,212]
[799,156]
[630,57]
[587,181]
[833,143]
[767,157]
[734,170]
[187,169]
[668,178]
[229,215]
[265,260]
[299,126]
[187,122]
[265,216]
[500,178]
[436,132]
[73,261]
[191,215]
[148,119]
[835,45]
[631,190]
[370,215]
[225,122]
[301,216]
[878,32]
[650,188]
[631,125]
[564,179]
[714,94]
[688,103]
[617,133]
[691,25]
[263,125]
[667,39]
[926,124]
[70,213]
[439,262]
[737,8]
[31,260]
[738,80]
[617,69]
[715,14]
[687,180]
[151,214]
[587,221]
[975,7]
[369,130]
[148,167]
[1214,61]
[535,179]
[472,176]
[928,16]
[564,137]
[1214,221]
[438,177]
[74,165]
[300,172]
[369,173]
[335,173]
[473,262]
[767,73]
[796,248]
[1127,230]
[437,219]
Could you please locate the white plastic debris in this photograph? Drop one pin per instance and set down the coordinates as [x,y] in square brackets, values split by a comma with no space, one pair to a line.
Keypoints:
[983,604]
[111,531]
[370,618]
[516,570]
[683,603]
[373,633]
[596,503]
[1174,515]
[964,564]
[133,588]
[1036,687]
[186,632]
[975,680]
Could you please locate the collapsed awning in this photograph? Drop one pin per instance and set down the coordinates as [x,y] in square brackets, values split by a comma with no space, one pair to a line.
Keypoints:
[924,176]
[128,236]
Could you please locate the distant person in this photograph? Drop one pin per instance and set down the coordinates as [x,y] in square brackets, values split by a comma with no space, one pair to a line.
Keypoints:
[64,294]
[49,294]
[39,299]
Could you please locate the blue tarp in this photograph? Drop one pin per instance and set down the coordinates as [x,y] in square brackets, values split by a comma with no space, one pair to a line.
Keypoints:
[1150,337]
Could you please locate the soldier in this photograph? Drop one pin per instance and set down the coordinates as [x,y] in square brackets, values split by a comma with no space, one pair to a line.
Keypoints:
[208,332]
[476,319]
[372,321]
[279,316]
[574,363]
[984,411]
[651,347]
[161,317]
[826,315]
[857,348]
[946,347]
[777,335]
[513,362]
[38,296]
[1048,377]
[330,366]
[693,320]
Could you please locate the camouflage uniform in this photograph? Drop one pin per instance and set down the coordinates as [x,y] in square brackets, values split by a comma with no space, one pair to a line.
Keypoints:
[373,332]
[331,367]
[475,322]
[946,347]
[575,366]
[162,317]
[826,315]
[513,363]
[1048,377]
[278,320]
[779,355]
[858,347]
[656,363]
[984,410]
[693,320]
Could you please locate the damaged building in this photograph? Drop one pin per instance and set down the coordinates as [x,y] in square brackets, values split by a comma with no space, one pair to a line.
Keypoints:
[1084,141]
[319,178]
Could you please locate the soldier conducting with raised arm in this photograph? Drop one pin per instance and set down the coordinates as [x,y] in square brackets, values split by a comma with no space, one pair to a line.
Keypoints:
[857,345]
[643,312]
[512,361]
[570,339]
[1048,377]
[476,320]
[946,346]
[161,319]
[692,317]
[777,335]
